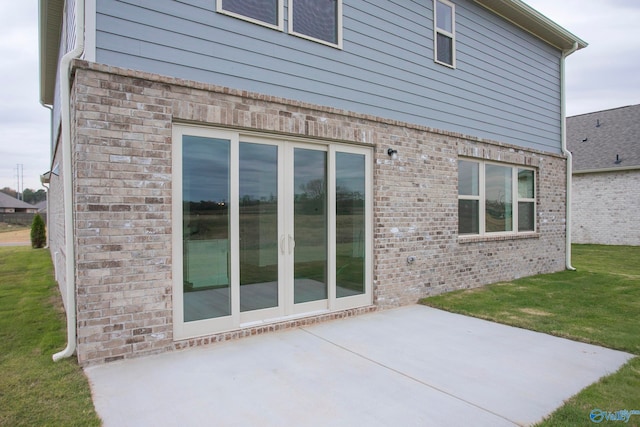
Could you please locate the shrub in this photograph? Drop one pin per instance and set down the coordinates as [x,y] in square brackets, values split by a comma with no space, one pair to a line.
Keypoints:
[38,233]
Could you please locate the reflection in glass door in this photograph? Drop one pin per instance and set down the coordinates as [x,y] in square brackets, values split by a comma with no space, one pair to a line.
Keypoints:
[205,228]
[350,224]
[258,217]
[310,225]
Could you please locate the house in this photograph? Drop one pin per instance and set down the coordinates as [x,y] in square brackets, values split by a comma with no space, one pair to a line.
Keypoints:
[229,168]
[606,176]
[11,205]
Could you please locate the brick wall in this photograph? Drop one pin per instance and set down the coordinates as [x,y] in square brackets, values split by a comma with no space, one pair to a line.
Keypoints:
[123,189]
[605,208]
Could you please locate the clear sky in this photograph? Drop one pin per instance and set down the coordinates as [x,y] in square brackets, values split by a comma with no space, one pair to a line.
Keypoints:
[604,75]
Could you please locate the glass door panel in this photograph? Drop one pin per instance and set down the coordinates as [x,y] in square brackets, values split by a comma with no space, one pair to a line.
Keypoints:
[205,228]
[350,224]
[309,225]
[258,220]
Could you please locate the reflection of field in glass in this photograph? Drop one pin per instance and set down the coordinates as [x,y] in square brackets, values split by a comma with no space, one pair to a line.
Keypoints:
[207,263]
[498,217]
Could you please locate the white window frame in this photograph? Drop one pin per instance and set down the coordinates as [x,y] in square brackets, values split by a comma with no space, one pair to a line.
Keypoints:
[337,45]
[279,26]
[481,198]
[451,35]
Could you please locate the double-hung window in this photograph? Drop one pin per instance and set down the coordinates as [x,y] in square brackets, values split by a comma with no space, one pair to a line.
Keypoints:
[444,32]
[263,12]
[495,198]
[318,20]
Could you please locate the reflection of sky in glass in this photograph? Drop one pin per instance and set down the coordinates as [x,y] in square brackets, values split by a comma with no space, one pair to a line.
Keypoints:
[350,172]
[498,183]
[467,178]
[258,171]
[525,184]
[205,169]
[309,166]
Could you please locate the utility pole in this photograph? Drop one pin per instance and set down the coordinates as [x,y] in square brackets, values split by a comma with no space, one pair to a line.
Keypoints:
[20,178]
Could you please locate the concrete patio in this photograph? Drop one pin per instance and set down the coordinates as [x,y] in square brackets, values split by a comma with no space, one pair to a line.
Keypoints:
[412,366]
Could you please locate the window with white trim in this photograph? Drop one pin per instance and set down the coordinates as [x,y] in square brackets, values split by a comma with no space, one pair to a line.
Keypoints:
[444,32]
[495,198]
[263,12]
[317,20]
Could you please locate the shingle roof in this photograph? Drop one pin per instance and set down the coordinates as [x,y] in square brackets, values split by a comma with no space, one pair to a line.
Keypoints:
[605,139]
[7,201]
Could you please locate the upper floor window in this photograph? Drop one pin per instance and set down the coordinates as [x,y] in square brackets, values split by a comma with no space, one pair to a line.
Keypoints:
[264,12]
[318,20]
[495,198]
[444,32]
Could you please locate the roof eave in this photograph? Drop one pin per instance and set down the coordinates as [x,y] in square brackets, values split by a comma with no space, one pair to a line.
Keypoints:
[524,16]
[50,27]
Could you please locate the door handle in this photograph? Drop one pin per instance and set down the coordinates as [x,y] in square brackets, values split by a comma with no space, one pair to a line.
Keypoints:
[292,244]
[282,244]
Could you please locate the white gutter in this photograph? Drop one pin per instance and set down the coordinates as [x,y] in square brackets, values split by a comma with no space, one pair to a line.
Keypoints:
[67,183]
[563,114]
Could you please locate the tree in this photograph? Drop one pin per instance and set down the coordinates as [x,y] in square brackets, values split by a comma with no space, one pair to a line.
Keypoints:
[38,233]
[11,192]
[32,197]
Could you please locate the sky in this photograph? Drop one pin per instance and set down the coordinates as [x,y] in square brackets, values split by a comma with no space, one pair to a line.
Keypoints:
[604,75]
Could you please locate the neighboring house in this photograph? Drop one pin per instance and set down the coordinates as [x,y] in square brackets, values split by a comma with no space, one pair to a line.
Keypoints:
[606,176]
[41,206]
[10,205]
[224,169]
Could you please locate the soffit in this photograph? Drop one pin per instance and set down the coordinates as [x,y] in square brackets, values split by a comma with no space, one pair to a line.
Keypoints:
[50,23]
[532,21]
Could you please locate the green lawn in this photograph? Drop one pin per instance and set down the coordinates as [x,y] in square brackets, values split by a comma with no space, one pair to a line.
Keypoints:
[599,304]
[35,391]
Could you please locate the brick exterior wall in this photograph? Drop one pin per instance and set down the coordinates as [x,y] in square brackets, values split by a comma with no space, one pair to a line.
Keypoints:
[605,208]
[123,198]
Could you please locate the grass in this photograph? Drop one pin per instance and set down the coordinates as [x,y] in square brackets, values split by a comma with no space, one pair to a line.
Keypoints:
[598,304]
[34,390]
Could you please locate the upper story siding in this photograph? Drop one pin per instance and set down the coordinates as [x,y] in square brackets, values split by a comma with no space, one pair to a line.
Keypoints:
[506,85]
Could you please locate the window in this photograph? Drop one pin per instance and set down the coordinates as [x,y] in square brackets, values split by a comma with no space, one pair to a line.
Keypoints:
[264,12]
[318,20]
[495,198]
[444,32]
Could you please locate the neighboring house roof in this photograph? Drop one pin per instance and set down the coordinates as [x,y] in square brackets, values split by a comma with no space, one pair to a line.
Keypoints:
[7,201]
[608,139]
[514,11]
[42,206]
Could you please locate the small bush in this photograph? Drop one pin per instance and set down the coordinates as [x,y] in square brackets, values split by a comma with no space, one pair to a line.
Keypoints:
[38,233]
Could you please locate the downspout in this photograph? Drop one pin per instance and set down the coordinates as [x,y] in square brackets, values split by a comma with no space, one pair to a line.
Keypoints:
[50,108]
[67,182]
[563,114]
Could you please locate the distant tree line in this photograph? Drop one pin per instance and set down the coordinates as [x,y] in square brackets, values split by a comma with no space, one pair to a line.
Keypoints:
[28,195]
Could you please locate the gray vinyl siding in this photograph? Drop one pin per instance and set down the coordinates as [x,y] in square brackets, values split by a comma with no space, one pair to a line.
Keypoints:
[506,86]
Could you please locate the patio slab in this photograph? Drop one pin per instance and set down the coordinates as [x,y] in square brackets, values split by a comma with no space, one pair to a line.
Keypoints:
[411,366]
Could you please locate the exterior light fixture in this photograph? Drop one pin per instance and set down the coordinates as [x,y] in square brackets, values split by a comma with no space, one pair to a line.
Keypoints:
[392,153]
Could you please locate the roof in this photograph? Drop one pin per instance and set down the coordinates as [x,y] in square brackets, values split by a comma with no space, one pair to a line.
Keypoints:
[6,201]
[515,11]
[604,140]
[524,16]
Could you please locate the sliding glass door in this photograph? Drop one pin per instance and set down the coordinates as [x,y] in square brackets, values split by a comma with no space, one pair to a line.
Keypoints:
[269,229]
